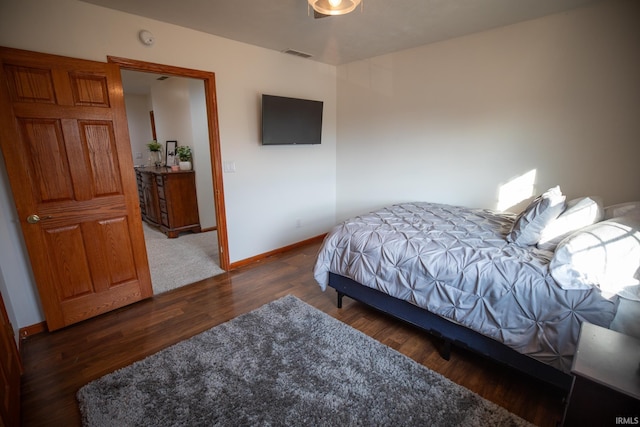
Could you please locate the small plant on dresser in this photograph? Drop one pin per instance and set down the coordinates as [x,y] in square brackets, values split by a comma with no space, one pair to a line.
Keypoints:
[184,154]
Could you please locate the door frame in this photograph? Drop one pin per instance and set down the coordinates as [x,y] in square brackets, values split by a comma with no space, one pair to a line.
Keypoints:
[214,136]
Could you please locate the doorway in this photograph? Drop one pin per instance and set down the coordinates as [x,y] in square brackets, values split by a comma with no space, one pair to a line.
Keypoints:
[208,80]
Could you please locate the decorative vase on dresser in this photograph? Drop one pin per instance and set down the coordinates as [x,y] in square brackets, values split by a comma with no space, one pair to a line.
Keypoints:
[155,158]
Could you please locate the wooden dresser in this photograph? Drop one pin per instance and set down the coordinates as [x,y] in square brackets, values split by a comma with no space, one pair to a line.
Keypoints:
[168,199]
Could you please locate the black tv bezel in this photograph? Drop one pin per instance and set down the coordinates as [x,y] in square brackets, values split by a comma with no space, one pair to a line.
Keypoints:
[294,105]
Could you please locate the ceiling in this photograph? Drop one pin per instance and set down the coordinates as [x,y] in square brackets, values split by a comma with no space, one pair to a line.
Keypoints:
[379,27]
[139,83]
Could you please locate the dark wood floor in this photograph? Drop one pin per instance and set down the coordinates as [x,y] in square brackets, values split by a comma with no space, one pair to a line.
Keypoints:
[58,364]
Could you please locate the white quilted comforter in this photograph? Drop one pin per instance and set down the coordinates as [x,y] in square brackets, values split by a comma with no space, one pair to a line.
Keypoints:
[455,262]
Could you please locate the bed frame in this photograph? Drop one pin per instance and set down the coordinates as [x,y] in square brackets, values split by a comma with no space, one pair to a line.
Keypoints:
[451,333]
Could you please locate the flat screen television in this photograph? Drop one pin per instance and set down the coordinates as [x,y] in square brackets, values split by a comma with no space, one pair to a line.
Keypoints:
[289,121]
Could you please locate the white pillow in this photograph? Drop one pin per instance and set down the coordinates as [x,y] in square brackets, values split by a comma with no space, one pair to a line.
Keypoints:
[579,213]
[606,254]
[622,209]
[529,224]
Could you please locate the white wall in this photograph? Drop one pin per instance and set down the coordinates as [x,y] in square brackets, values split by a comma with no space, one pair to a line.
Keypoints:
[172,111]
[201,154]
[452,121]
[16,280]
[138,107]
[272,187]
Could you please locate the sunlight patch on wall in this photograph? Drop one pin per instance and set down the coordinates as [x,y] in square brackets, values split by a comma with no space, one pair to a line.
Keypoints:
[516,190]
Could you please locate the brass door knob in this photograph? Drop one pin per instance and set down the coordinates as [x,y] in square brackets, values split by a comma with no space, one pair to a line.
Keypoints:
[34,219]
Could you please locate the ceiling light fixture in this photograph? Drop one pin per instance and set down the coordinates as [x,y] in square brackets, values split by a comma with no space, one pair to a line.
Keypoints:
[334,7]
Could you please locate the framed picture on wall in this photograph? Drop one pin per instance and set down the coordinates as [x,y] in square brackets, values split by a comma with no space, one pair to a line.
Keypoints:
[170,151]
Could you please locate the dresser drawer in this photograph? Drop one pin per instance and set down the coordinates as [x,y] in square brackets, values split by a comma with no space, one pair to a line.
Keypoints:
[161,195]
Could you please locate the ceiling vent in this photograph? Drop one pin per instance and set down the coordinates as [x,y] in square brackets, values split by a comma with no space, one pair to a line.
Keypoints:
[297,53]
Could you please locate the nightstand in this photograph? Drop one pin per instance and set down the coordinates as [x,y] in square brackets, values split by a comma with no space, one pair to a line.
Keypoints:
[606,386]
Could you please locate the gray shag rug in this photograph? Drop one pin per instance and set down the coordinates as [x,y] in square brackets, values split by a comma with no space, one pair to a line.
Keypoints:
[284,364]
[177,262]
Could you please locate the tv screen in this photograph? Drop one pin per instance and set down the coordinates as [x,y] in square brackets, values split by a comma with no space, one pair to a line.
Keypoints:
[287,121]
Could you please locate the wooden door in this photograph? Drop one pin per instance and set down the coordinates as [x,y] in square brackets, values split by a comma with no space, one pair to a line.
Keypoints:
[10,372]
[65,142]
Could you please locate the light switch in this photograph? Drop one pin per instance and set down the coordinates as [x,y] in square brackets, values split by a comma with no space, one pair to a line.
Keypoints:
[229,166]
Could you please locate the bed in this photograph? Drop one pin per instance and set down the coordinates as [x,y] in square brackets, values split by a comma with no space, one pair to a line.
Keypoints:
[482,279]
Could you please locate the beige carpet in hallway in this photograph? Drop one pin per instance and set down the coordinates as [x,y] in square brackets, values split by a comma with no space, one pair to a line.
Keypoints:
[186,259]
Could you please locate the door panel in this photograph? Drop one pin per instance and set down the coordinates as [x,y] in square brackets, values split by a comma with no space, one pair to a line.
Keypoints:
[68,256]
[30,84]
[65,134]
[89,90]
[115,242]
[48,157]
[99,139]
